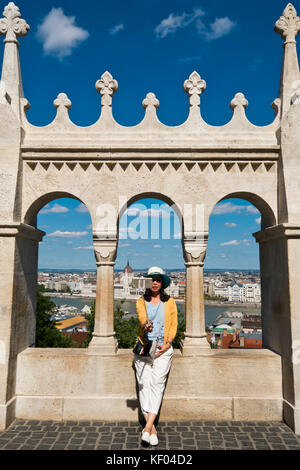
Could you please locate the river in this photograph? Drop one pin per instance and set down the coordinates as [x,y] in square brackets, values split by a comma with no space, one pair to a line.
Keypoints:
[211,311]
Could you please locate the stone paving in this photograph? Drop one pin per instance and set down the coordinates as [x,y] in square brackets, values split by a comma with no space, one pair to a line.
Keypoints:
[189,435]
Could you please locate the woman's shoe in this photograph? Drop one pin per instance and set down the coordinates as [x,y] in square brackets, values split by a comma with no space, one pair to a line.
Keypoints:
[153,440]
[146,436]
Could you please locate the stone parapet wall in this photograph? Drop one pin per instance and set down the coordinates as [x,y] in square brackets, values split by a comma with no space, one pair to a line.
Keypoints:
[77,384]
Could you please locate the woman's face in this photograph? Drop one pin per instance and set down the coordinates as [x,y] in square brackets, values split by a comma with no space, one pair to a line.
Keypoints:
[156,284]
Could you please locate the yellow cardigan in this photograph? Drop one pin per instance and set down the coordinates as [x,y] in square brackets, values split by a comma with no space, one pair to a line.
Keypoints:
[170,328]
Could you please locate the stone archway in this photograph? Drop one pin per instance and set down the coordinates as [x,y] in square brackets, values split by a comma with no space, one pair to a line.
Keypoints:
[192,164]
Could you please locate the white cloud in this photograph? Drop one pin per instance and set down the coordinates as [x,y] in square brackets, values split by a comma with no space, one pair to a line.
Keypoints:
[258,220]
[116,29]
[245,242]
[230,208]
[90,247]
[55,209]
[252,210]
[82,208]
[150,212]
[59,34]
[175,22]
[230,224]
[219,28]
[232,242]
[60,234]
[155,213]
[177,235]
[156,246]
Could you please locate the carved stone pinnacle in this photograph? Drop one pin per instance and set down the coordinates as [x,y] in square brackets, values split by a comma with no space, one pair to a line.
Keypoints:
[150,100]
[107,86]
[239,101]
[12,25]
[288,25]
[62,100]
[194,86]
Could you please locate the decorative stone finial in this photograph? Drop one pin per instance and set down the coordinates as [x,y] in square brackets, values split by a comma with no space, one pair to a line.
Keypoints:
[150,101]
[12,25]
[288,25]
[239,101]
[62,101]
[107,86]
[194,86]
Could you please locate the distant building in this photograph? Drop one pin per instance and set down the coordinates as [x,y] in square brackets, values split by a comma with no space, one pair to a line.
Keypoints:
[238,291]
[70,324]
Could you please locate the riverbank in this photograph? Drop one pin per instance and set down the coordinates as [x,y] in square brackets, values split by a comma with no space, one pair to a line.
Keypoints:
[213,303]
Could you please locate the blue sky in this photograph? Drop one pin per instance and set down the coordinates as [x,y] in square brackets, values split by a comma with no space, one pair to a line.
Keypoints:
[150,236]
[150,46]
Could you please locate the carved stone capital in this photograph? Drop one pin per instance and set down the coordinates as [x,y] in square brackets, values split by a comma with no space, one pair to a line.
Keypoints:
[194,86]
[288,25]
[21,230]
[277,232]
[107,86]
[105,250]
[12,25]
[194,248]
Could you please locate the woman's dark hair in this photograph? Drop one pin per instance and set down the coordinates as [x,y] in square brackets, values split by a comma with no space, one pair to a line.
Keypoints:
[163,296]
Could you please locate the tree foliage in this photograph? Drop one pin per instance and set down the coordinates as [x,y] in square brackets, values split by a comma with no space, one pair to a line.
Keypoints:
[126,329]
[47,335]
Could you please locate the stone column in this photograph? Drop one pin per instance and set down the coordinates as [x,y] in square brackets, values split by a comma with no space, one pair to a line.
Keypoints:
[18,281]
[104,340]
[195,342]
[280,281]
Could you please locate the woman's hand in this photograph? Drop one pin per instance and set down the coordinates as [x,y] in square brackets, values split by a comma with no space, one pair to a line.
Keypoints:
[161,349]
[148,326]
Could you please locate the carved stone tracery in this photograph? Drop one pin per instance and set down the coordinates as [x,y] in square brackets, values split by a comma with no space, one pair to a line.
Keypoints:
[194,87]
[107,86]
[12,25]
[288,25]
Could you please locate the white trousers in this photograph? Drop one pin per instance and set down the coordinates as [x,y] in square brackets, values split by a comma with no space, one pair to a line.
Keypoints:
[151,378]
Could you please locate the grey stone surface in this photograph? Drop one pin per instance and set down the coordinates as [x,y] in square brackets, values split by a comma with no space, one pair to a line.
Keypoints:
[93,435]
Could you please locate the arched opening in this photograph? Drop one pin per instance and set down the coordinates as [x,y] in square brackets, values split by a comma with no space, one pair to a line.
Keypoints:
[65,271]
[232,283]
[149,234]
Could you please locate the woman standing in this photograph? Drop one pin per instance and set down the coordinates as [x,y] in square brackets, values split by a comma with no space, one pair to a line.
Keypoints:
[162,325]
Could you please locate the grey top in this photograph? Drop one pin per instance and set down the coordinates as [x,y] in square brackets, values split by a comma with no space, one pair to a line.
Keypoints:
[156,313]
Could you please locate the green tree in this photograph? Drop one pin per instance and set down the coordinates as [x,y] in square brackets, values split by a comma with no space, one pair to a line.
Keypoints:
[47,335]
[180,330]
[91,322]
[127,329]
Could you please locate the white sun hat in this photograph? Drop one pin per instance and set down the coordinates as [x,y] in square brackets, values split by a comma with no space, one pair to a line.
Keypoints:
[155,270]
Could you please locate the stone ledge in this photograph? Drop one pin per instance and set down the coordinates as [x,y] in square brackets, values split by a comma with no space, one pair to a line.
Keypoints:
[178,408]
